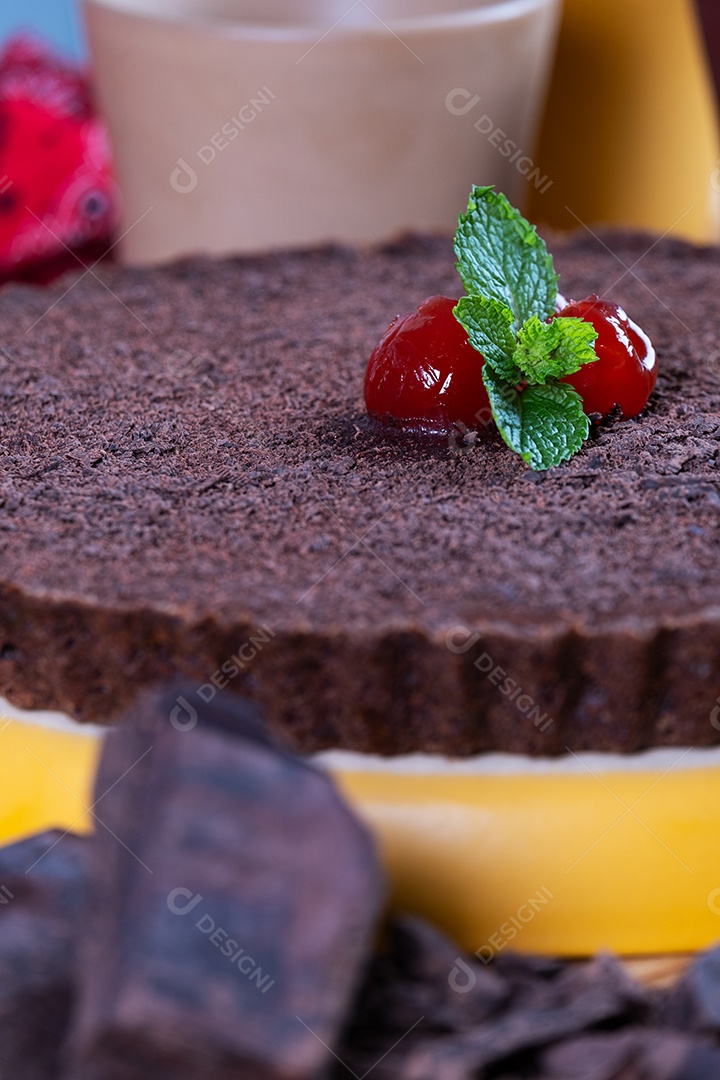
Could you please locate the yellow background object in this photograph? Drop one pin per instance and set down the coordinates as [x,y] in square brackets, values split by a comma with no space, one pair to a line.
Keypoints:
[556,864]
[630,133]
[539,863]
[45,780]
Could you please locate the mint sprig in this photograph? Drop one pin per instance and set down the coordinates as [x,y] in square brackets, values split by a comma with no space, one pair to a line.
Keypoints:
[512,289]
[501,256]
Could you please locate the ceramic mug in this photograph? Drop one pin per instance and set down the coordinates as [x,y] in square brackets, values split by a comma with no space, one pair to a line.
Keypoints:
[245,125]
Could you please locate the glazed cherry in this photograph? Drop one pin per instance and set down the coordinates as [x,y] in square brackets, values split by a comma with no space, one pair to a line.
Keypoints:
[424,375]
[625,372]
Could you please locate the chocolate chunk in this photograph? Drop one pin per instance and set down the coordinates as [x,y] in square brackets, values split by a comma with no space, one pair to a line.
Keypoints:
[571,1000]
[234,905]
[43,887]
[632,1054]
[702,1063]
[526,973]
[604,1056]
[452,992]
[417,984]
[578,999]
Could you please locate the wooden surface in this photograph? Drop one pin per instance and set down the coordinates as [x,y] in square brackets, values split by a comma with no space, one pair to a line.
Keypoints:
[658,972]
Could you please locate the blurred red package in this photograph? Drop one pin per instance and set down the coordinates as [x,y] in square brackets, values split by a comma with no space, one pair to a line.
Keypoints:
[59,202]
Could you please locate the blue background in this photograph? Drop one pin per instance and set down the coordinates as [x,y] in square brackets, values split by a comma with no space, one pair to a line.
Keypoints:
[57,21]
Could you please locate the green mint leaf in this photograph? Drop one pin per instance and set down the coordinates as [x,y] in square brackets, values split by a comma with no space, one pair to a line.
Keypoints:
[512,290]
[506,408]
[501,256]
[550,350]
[545,425]
[554,426]
[489,326]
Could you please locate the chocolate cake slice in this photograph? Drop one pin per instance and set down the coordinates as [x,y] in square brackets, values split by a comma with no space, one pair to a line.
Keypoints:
[189,485]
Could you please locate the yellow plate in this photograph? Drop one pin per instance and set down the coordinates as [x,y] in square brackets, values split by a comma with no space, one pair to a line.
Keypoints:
[547,863]
[569,863]
[46,780]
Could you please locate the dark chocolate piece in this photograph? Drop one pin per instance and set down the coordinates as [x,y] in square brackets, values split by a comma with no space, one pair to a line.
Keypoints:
[606,1056]
[189,485]
[417,985]
[578,999]
[43,888]
[407,1026]
[702,1063]
[632,1054]
[235,901]
[424,957]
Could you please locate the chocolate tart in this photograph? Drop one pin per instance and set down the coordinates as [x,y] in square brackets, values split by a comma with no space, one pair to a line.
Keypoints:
[189,485]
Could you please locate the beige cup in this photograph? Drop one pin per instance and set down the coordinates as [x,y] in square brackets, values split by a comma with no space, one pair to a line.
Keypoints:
[243,125]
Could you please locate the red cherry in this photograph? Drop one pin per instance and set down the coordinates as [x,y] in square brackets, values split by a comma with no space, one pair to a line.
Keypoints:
[424,375]
[626,369]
